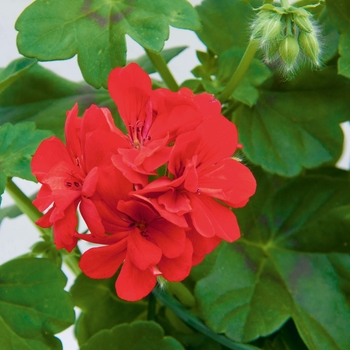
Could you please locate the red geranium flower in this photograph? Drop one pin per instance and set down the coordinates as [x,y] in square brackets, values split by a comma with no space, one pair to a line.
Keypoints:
[148,245]
[153,120]
[70,173]
[201,172]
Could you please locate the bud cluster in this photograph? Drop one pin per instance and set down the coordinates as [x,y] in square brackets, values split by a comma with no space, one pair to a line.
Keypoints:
[287,36]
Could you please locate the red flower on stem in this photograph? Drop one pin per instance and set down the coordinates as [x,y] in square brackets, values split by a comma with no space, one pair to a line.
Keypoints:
[147,246]
[153,120]
[71,173]
[201,172]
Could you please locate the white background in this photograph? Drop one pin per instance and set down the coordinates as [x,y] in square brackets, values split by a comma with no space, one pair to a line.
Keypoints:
[18,235]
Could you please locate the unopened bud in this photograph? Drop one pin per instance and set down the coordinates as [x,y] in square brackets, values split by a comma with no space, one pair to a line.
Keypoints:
[272,28]
[289,50]
[304,23]
[310,46]
[271,50]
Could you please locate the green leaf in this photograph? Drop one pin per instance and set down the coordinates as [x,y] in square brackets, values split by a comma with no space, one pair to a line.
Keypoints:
[14,71]
[296,124]
[192,320]
[292,261]
[43,97]
[287,338]
[339,13]
[330,36]
[247,91]
[95,30]
[145,63]
[101,308]
[33,305]
[140,335]
[226,23]
[18,144]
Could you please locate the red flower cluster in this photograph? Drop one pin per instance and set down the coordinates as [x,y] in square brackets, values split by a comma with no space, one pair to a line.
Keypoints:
[157,199]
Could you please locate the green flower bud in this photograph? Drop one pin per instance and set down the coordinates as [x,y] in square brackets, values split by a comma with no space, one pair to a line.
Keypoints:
[271,50]
[303,23]
[260,22]
[272,28]
[289,51]
[310,46]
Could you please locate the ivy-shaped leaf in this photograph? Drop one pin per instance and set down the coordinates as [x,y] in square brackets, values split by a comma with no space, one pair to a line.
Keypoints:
[101,308]
[33,305]
[18,144]
[292,261]
[339,12]
[295,125]
[95,30]
[140,335]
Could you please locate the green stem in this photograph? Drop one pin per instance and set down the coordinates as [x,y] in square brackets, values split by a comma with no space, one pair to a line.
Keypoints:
[24,204]
[151,311]
[285,3]
[242,68]
[268,1]
[162,68]
[72,259]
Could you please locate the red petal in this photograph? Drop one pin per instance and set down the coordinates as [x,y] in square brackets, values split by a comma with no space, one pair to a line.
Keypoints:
[64,230]
[221,219]
[128,171]
[130,88]
[92,217]
[201,245]
[49,153]
[45,221]
[44,198]
[175,202]
[219,141]
[90,183]
[103,262]
[138,211]
[177,269]
[168,237]
[63,199]
[133,284]
[72,130]
[209,106]
[141,251]
[228,180]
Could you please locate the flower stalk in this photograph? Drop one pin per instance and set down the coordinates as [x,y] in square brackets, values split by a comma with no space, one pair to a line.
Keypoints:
[162,68]
[24,204]
[240,71]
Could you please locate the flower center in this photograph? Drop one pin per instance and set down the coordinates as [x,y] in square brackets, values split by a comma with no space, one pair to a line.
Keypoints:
[142,227]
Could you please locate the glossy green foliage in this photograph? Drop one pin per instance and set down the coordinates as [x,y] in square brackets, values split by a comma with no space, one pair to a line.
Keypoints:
[95,30]
[101,308]
[339,11]
[140,335]
[33,305]
[18,144]
[295,125]
[292,261]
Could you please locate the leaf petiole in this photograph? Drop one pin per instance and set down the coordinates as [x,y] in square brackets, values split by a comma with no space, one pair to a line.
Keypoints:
[242,68]
[162,68]
[24,204]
